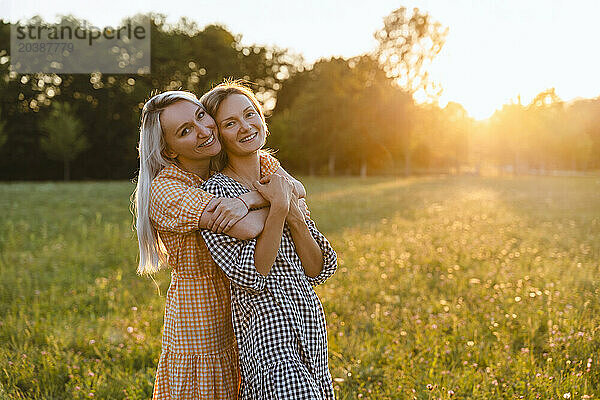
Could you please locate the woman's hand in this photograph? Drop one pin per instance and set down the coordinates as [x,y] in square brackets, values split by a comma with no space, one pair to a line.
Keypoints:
[295,214]
[304,207]
[277,190]
[226,212]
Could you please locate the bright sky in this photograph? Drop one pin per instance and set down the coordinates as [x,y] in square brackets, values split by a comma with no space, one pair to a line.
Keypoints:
[496,50]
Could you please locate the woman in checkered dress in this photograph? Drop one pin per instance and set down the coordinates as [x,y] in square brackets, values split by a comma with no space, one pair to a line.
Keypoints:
[199,358]
[277,316]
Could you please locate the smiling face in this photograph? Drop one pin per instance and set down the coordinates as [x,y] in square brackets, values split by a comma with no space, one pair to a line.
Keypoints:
[190,133]
[242,129]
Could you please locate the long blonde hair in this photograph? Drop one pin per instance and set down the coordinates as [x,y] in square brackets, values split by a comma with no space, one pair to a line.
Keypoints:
[211,101]
[153,255]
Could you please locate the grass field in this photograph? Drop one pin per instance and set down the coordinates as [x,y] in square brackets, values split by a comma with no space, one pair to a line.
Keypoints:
[460,287]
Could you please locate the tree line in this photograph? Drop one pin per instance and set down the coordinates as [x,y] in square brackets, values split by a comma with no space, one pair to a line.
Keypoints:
[338,116]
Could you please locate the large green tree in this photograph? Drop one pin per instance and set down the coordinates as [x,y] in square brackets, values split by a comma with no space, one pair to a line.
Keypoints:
[63,140]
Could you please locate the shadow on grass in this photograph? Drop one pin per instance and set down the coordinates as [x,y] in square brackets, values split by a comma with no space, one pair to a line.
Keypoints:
[338,204]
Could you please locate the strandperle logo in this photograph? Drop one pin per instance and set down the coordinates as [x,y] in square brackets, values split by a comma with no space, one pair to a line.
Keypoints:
[89,34]
[75,47]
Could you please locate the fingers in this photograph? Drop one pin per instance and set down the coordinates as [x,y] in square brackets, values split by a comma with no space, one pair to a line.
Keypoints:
[217,224]
[228,222]
[213,217]
[295,195]
[213,203]
[258,186]
[229,225]
[218,215]
[223,225]
[304,207]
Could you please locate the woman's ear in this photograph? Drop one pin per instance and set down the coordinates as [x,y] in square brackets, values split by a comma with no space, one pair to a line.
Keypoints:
[169,153]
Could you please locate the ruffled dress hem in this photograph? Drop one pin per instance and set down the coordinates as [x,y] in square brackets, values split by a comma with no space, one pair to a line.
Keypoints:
[288,379]
[182,376]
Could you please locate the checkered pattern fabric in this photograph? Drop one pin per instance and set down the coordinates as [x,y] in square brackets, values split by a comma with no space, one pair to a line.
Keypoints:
[278,319]
[199,358]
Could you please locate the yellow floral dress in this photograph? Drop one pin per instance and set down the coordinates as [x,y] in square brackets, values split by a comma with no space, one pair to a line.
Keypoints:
[199,358]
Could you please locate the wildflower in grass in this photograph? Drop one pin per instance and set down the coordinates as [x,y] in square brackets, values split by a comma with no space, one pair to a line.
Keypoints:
[429,386]
[567,395]
[450,392]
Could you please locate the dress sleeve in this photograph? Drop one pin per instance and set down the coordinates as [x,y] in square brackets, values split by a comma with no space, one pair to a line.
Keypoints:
[268,164]
[175,206]
[329,255]
[236,258]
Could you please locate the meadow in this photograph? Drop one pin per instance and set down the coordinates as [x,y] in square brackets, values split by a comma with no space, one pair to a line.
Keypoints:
[447,288]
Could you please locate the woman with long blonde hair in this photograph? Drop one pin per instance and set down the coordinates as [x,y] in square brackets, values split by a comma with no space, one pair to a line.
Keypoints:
[178,138]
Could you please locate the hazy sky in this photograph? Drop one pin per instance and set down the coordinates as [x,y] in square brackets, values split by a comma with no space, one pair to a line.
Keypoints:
[495,50]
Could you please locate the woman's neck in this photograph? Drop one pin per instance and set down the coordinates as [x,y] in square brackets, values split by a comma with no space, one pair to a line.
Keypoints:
[243,168]
[198,167]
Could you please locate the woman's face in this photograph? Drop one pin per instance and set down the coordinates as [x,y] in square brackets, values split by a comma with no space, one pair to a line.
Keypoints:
[189,131]
[242,130]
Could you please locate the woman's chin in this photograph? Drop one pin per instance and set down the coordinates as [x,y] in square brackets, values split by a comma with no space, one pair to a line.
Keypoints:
[215,151]
[242,151]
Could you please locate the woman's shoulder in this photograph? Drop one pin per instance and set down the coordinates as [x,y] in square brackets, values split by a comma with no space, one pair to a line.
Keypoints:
[171,181]
[173,175]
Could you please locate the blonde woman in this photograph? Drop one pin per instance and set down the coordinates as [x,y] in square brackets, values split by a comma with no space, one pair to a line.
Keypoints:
[278,318]
[199,358]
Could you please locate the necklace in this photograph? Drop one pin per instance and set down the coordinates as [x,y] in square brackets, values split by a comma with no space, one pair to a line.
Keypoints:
[243,181]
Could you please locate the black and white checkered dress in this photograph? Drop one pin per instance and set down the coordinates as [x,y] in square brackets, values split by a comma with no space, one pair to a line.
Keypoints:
[278,319]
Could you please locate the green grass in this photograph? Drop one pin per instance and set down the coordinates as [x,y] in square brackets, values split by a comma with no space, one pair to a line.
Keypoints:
[488,287]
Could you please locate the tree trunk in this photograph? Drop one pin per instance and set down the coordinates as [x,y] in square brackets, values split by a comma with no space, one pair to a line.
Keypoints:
[311,168]
[457,161]
[67,172]
[331,164]
[407,167]
[363,168]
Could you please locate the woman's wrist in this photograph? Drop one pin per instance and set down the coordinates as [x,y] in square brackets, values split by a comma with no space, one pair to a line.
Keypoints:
[254,199]
[279,208]
[296,223]
[244,202]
